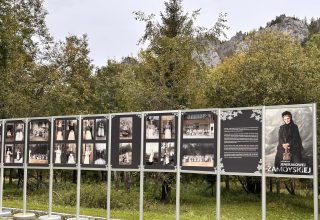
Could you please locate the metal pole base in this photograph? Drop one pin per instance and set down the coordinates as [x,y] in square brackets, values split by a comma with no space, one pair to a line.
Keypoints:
[5,213]
[24,216]
[51,217]
[77,219]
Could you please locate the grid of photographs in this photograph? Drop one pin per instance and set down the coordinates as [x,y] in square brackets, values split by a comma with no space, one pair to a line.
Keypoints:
[14,143]
[125,134]
[39,142]
[94,141]
[160,141]
[65,142]
[198,145]
[125,141]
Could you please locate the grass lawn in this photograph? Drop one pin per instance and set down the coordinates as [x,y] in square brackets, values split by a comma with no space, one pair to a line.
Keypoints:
[196,203]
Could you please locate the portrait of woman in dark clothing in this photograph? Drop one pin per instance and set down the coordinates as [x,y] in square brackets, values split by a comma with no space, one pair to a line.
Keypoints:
[289,148]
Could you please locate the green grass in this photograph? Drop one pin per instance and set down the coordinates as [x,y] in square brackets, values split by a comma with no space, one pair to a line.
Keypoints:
[195,200]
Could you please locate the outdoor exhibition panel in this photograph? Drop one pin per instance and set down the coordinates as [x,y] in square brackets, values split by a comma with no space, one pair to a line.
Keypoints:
[14,143]
[94,139]
[65,142]
[125,141]
[272,141]
[39,141]
[297,158]
[241,141]
[160,140]
[198,148]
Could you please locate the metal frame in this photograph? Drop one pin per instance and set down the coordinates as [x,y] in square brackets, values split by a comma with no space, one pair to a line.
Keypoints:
[141,169]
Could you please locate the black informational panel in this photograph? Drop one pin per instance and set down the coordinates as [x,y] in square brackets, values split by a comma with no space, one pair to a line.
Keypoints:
[39,139]
[14,143]
[94,139]
[65,142]
[198,149]
[160,140]
[289,140]
[126,141]
[241,143]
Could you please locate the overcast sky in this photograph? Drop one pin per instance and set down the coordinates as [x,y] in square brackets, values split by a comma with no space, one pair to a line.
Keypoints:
[113,32]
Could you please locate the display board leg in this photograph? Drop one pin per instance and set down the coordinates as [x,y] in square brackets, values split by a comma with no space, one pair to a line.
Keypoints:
[3,213]
[315,165]
[263,182]
[109,169]
[218,185]
[141,195]
[178,169]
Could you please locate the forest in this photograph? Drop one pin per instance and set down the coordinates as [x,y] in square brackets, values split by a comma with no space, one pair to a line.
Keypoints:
[41,77]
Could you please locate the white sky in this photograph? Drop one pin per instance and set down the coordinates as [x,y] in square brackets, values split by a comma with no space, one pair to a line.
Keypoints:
[113,32]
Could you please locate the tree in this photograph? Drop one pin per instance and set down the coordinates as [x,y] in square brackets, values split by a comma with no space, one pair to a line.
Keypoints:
[271,69]
[24,43]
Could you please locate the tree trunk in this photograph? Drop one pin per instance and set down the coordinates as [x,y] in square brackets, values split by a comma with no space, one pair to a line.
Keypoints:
[10,176]
[127,181]
[227,181]
[270,184]
[166,192]
[74,176]
[278,186]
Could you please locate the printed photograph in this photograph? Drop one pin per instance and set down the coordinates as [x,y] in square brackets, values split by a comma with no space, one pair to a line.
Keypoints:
[152,153]
[9,132]
[198,125]
[59,154]
[125,153]
[289,141]
[101,129]
[60,130]
[71,153]
[168,127]
[167,154]
[126,128]
[100,154]
[38,153]
[87,153]
[18,153]
[39,130]
[197,155]
[88,129]
[19,132]
[71,130]
[152,127]
[8,155]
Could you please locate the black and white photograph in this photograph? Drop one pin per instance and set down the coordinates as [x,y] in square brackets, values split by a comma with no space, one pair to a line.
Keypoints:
[87,153]
[125,153]
[197,155]
[152,153]
[71,153]
[289,141]
[19,132]
[58,154]
[60,130]
[125,128]
[38,154]
[167,154]
[168,127]
[100,154]
[101,129]
[88,129]
[152,127]
[9,132]
[8,153]
[198,125]
[18,153]
[71,130]
[39,130]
